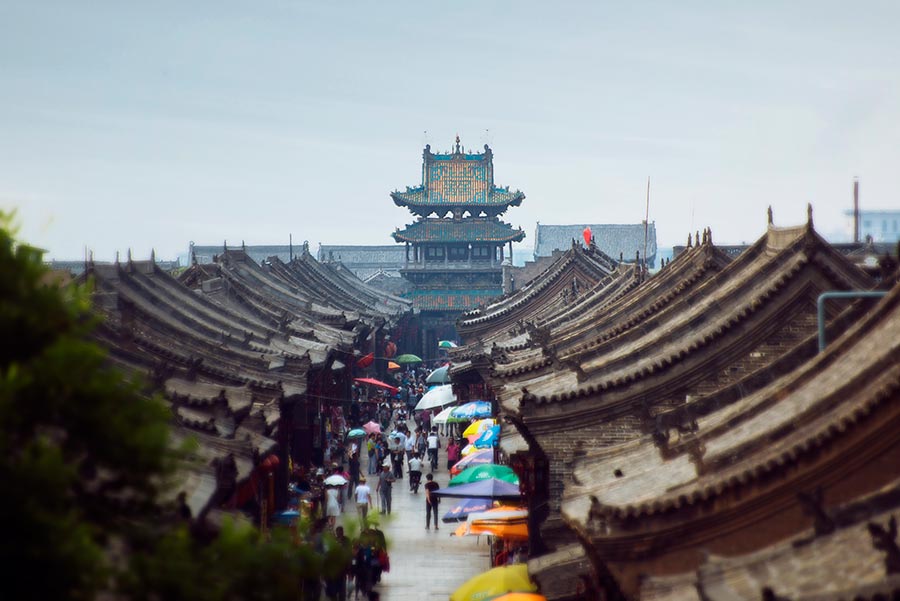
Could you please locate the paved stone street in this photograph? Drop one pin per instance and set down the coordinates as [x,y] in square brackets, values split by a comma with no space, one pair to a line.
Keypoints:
[425,564]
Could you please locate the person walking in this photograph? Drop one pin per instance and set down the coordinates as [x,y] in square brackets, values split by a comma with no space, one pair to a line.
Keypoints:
[432,501]
[363,500]
[370,453]
[415,472]
[453,451]
[332,504]
[354,474]
[434,443]
[385,482]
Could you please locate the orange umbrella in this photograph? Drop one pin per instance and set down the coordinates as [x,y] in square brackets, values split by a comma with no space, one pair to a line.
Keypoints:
[504,522]
[520,597]
[393,366]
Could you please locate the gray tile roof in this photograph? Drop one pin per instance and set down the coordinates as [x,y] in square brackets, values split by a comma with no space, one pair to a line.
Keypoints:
[613,239]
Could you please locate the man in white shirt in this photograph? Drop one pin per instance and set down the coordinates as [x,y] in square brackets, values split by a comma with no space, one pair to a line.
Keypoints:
[363,499]
[415,472]
[434,443]
[410,445]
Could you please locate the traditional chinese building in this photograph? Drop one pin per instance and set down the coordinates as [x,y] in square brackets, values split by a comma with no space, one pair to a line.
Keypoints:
[456,247]
[681,394]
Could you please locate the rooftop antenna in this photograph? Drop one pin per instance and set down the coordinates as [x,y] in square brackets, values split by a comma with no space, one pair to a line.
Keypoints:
[291,247]
[856,210]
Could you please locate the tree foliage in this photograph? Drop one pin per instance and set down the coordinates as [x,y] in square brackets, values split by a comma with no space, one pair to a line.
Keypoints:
[84,454]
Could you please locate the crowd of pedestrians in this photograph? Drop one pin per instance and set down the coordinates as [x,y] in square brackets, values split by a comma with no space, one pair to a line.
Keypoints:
[407,448]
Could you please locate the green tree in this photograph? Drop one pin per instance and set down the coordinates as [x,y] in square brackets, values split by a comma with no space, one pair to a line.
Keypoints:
[84,454]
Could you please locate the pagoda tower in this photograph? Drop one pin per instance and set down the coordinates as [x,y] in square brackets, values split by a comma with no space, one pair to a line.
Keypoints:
[456,247]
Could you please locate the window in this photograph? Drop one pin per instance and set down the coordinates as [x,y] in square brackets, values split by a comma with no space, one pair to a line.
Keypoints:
[434,252]
[481,253]
[457,253]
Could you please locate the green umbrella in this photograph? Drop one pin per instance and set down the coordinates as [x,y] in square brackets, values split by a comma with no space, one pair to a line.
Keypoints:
[405,359]
[356,433]
[486,472]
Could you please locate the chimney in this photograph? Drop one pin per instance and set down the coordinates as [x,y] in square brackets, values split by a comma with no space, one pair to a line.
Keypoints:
[856,210]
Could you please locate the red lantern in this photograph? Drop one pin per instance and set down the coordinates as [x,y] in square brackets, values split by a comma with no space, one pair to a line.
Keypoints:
[270,463]
[587,236]
[390,349]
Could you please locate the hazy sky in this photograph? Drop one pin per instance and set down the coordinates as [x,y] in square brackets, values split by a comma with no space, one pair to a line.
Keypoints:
[148,125]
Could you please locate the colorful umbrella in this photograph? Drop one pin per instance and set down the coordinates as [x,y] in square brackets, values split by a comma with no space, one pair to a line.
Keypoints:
[468,450]
[439,396]
[447,344]
[372,428]
[441,418]
[377,384]
[461,510]
[407,358]
[495,582]
[477,427]
[513,531]
[520,597]
[488,438]
[366,360]
[477,458]
[471,410]
[439,376]
[485,472]
[482,489]
[393,366]
[356,433]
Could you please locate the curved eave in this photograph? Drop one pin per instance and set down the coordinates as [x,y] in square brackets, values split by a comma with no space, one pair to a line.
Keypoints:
[402,200]
[515,236]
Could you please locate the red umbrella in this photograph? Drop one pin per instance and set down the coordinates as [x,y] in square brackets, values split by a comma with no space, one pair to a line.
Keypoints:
[377,384]
[366,361]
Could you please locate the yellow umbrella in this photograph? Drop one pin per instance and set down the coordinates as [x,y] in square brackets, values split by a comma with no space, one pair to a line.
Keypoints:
[495,582]
[468,450]
[392,366]
[478,427]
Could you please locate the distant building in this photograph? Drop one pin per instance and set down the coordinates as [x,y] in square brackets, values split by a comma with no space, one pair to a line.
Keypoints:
[879,225]
[620,241]
[455,250]
[364,261]
[76,268]
[259,253]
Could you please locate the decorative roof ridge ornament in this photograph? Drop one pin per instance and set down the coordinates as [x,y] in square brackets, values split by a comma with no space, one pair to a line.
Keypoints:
[809,212]
[769,213]
[457,144]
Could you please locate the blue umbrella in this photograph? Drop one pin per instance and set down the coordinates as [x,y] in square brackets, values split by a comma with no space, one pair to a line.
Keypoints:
[488,438]
[461,510]
[483,489]
[356,433]
[287,517]
[472,410]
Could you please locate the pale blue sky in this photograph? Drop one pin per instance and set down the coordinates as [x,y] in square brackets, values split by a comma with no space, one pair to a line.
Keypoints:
[143,125]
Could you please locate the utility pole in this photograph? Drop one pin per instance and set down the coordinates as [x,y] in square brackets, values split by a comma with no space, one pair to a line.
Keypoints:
[647,223]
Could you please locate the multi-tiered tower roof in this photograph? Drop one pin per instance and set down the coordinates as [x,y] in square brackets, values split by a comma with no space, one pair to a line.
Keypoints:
[456,247]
